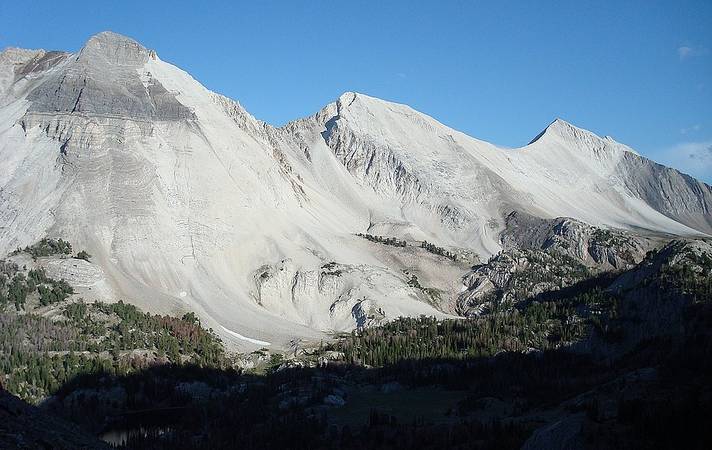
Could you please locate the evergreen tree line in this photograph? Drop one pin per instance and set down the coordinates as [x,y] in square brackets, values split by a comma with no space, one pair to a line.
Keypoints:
[51,247]
[537,326]
[96,337]
[47,247]
[383,240]
[15,291]
[432,248]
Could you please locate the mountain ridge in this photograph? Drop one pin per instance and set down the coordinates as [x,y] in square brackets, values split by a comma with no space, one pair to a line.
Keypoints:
[105,41]
[190,203]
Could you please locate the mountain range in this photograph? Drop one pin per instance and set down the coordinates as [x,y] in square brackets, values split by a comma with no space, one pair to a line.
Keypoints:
[363,212]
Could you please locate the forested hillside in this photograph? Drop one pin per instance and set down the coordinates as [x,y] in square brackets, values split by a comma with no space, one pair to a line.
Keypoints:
[621,366]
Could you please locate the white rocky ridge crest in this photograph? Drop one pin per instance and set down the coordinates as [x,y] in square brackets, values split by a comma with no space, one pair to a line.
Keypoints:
[187,202]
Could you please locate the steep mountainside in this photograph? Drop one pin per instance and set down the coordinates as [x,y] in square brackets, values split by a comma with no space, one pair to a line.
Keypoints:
[187,202]
[26,426]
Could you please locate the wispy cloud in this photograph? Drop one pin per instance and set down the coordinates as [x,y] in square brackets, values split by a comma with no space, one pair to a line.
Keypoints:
[692,129]
[694,158]
[687,51]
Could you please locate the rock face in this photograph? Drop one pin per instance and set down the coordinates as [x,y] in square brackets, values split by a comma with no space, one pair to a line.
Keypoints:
[517,275]
[659,296]
[566,434]
[593,246]
[185,199]
[674,194]
[104,80]
[346,290]
[544,255]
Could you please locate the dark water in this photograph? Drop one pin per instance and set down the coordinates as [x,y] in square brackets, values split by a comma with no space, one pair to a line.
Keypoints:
[119,436]
[138,424]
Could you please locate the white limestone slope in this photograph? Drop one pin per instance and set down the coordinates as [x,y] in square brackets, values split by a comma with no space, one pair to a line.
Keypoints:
[465,183]
[187,202]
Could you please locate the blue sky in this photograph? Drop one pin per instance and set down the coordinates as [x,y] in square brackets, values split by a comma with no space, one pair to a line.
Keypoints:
[640,71]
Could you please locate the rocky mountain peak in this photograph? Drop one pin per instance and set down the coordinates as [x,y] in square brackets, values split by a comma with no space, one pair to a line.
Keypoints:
[14,55]
[114,48]
[105,79]
[559,129]
[357,104]
[348,97]
[561,133]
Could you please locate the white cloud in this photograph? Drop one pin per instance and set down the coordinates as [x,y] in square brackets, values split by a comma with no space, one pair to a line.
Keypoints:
[693,158]
[691,129]
[685,52]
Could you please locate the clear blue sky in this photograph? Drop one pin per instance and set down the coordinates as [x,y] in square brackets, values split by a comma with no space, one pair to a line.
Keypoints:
[640,71]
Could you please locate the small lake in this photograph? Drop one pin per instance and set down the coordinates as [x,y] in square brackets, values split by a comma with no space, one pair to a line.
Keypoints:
[119,436]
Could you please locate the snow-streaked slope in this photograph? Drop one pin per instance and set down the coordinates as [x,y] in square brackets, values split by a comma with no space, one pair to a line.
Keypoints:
[187,202]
